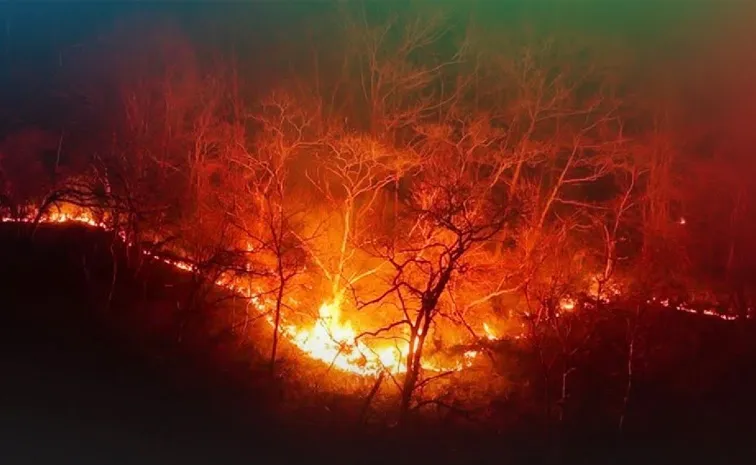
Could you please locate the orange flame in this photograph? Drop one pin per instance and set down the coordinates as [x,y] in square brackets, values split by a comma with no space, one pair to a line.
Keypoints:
[567,304]
[329,339]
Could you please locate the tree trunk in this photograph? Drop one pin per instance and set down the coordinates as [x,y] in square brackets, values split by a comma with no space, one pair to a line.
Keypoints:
[371,396]
[410,380]
[629,385]
[46,204]
[414,364]
[632,336]
[276,326]
[563,393]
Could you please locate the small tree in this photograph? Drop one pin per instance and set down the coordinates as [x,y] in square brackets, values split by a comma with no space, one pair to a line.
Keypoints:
[259,201]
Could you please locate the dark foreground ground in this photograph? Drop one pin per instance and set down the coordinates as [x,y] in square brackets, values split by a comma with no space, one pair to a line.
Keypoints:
[86,382]
[82,384]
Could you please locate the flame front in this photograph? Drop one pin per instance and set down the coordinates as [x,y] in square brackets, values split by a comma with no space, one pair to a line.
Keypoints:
[333,341]
[330,339]
[336,343]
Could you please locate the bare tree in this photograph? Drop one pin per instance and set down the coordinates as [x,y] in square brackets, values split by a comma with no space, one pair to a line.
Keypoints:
[402,66]
[515,168]
[351,175]
[260,206]
[615,221]
[455,206]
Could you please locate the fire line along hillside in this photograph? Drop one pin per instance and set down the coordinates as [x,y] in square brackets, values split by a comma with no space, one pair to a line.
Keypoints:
[435,229]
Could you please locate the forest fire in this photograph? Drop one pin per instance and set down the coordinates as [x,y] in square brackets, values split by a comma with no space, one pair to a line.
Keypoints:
[334,342]
[443,230]
[329,339]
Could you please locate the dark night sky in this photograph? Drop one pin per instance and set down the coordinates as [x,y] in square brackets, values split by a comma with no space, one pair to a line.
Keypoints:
[704,44]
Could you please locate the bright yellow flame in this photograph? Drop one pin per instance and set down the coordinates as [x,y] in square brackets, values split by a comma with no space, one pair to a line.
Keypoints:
[567,305]
[334,342]
[490,335]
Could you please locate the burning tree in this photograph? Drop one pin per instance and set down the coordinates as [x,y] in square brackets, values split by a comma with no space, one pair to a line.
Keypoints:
[351,174]
[497,178]
[259,202]
[452,209]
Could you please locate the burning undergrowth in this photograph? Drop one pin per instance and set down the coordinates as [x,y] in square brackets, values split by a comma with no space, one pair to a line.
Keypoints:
[458,362]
